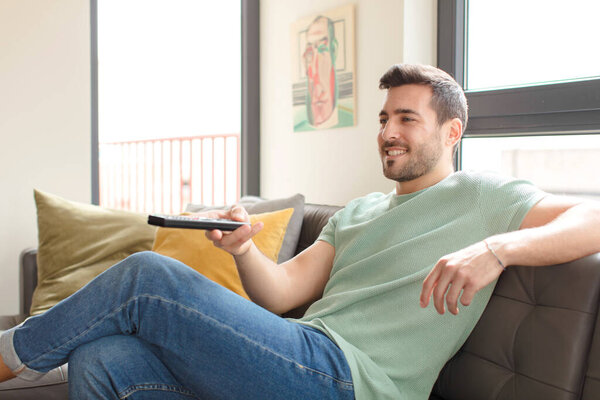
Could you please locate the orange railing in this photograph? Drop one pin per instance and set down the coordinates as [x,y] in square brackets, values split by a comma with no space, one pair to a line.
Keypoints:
[163,175]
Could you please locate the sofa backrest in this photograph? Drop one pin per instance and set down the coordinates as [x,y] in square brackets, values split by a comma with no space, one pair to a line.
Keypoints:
[27,278]
[533,340]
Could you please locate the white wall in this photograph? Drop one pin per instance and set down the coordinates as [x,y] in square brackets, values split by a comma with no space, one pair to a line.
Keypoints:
[44,120]
[336,165]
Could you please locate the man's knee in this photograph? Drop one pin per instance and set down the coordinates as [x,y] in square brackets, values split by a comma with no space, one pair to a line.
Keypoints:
[144,260]
[148,264]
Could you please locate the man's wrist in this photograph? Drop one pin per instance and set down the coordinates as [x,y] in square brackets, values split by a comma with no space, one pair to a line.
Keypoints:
[245,252]
[503,248]
[491,250]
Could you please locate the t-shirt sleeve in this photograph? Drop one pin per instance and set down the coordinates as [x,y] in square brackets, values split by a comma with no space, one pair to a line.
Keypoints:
[328,231]
[504,202]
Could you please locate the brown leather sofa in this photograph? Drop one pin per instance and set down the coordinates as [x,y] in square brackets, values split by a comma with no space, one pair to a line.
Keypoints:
[539,337]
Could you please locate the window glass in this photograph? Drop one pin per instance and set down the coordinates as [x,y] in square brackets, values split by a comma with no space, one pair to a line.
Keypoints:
[524,42]
[565,164]
[169,103]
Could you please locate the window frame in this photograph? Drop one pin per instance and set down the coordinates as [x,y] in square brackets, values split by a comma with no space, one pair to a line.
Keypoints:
[250,129]
[564,108]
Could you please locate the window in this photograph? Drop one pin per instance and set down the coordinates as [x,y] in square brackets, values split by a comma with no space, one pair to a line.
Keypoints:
[520,43]
[174,114]
[560,164]
[531,114]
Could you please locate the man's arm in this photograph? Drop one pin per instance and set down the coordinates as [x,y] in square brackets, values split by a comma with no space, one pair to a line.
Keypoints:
[278,288]
[556,230]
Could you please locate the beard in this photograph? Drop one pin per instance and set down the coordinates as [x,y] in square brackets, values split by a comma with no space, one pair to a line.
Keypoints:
[419,161]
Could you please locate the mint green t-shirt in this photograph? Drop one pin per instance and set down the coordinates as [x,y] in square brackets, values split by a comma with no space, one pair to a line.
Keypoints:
[385,245]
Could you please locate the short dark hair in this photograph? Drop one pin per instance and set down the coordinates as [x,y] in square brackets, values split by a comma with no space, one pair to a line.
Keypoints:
[448,100]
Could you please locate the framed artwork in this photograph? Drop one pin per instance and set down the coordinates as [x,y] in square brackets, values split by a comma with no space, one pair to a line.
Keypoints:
[323,70]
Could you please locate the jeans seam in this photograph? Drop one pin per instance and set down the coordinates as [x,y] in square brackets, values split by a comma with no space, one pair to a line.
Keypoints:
[346,385]
[123,394]
[148,296]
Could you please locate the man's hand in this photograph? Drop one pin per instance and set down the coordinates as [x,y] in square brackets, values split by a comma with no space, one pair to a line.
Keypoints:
[467,271]
[238,242]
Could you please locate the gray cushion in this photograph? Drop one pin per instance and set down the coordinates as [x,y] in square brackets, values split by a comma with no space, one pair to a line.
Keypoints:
[256,205]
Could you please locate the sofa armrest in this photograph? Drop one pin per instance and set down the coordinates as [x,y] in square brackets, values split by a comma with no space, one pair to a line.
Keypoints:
[28,278]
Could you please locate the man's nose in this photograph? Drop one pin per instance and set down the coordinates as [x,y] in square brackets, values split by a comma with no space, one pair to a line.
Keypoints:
[390,131]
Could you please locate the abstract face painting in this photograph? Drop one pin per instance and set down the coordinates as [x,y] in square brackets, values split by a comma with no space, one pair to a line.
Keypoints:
[323,60]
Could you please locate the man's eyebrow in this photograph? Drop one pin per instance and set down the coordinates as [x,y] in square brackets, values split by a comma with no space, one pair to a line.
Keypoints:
[400,111]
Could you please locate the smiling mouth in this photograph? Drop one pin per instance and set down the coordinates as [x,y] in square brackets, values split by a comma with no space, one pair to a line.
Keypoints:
[390,154]
[393,153]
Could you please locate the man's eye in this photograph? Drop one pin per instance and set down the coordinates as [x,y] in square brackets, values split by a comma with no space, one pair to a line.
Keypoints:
[382,121]
[407,119]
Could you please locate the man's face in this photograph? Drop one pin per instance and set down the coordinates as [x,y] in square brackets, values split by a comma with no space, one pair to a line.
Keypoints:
[410,140]
[320,71]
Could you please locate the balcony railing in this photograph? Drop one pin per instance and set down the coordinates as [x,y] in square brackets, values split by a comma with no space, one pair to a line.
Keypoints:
[163,175]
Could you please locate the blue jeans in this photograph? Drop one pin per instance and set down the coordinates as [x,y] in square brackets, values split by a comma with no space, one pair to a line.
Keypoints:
[153,328]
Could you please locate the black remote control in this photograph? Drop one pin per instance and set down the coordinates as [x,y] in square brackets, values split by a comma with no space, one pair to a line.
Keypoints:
[194,222]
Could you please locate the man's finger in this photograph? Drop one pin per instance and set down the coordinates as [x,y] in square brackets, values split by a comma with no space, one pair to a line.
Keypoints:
[452,296]
[240,234]
[439,293]
[213,235]
[238,213]
[429,284]
[467,295]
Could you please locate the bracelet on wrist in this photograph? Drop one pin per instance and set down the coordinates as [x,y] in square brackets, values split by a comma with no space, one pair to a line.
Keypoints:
[495,255]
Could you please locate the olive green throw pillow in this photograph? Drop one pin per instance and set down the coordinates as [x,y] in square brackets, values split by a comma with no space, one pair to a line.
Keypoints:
[78,241]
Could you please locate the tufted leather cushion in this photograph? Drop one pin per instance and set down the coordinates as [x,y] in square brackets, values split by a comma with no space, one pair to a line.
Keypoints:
[591,387]
[533,340]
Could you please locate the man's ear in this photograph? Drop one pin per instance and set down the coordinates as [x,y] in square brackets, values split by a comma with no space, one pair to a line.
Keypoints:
[453,131]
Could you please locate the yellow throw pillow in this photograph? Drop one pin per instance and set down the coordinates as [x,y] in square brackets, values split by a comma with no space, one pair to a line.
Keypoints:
[192,248]
[78,241]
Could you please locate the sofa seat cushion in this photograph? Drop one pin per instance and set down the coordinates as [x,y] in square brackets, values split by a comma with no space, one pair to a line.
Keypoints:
[52,386]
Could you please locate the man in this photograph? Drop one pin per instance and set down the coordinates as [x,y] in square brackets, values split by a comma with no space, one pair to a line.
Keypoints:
[319,57]
[160,328]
